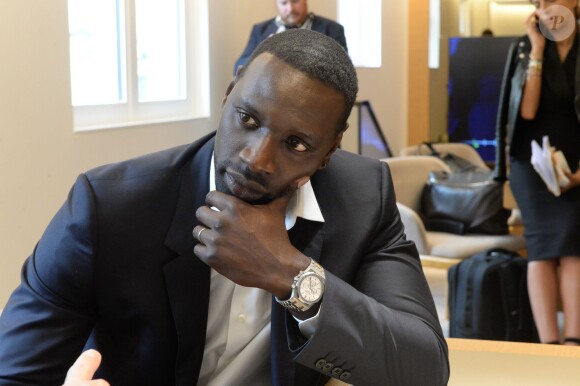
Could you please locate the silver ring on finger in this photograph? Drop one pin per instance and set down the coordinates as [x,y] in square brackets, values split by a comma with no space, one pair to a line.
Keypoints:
[199,234]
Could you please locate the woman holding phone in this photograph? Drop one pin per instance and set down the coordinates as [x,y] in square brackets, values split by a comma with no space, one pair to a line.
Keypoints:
[541,96]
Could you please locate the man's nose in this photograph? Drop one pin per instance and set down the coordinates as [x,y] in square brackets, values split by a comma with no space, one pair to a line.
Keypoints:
[259,154]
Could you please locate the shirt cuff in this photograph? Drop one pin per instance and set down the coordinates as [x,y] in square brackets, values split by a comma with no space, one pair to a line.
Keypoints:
[308,327]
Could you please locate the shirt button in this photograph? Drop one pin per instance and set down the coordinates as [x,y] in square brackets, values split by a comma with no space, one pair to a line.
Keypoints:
[242,317]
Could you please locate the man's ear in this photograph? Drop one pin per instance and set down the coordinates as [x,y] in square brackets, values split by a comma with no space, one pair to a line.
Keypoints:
[239,70]
[335,146]
[232,84]
[229,90]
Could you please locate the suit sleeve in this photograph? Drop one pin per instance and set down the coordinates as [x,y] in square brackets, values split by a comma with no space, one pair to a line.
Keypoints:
[330,28]
[49,317]
[337,34]
[502,116]
[382,329]
[255,39]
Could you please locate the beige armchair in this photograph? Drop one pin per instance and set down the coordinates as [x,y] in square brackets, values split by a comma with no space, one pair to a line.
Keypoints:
[460,149]
[438,249]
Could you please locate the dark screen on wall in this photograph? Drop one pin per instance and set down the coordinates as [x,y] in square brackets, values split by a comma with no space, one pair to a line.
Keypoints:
[476,66]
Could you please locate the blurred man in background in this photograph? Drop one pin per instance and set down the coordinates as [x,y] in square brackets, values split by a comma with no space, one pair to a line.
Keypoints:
[291,14]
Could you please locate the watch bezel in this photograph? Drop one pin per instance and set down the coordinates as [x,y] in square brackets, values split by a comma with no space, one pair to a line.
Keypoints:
[296,301]
[299,284]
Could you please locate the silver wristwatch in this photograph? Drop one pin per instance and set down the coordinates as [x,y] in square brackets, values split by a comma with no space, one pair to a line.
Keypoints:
[307,288]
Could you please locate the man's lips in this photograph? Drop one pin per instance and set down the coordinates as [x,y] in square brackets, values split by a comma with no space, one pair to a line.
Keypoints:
[242,187]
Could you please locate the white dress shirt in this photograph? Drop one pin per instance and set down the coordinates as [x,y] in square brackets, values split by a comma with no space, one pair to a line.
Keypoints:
[237,345]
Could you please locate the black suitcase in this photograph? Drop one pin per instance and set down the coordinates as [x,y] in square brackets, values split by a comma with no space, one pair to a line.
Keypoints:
[488,298]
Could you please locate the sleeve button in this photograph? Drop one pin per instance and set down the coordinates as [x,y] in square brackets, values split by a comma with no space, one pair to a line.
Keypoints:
[320,363]
[328,367]
[336,371]
[345,375]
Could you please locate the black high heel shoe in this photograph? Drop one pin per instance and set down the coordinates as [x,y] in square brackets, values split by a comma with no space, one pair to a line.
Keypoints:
[572,340]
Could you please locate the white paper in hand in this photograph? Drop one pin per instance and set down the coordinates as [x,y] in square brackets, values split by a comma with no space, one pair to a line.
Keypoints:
[542,162]
[550,165]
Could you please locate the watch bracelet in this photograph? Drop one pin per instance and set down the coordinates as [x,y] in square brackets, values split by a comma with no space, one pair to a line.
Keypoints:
[288,303]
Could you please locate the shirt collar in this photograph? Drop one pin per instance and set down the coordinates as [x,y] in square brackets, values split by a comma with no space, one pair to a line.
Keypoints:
[307,24]
[302,204]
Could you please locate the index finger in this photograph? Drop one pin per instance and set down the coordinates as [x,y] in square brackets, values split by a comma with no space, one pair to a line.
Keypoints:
[84,367]
[219,200]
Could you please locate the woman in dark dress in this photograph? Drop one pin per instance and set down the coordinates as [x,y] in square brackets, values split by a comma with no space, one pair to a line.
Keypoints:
[541,96]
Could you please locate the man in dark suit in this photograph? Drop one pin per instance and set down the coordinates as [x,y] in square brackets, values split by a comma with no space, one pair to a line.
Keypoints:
[258,255]
[291,14]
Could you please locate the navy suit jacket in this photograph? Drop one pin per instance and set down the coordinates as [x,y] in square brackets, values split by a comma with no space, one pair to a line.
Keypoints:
[263,30]
[115,270]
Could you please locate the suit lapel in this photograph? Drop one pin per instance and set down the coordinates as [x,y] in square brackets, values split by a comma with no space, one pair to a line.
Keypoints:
[270,29]
[307,237]
[187,278]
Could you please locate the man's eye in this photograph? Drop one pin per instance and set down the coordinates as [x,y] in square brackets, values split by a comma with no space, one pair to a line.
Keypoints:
[248,120]
[296,144]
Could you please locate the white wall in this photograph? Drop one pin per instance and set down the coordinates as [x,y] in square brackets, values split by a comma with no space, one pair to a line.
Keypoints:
[40,155]
[386,87]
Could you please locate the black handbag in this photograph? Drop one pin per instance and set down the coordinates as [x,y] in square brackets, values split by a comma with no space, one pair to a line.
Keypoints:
[467,202]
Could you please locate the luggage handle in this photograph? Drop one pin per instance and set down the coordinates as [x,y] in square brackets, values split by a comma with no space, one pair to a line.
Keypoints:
[510,303]
[495,252]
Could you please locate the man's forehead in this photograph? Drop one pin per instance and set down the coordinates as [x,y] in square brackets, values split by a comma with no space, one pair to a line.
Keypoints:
[267,66]
[265,59]
[271,72]
[272,86]
[267,72]
[267,76]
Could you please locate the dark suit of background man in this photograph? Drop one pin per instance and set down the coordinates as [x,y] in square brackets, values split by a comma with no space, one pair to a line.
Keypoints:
[291,14]
[178,266]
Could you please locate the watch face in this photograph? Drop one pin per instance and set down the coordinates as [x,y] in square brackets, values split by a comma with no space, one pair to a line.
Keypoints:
[311,289]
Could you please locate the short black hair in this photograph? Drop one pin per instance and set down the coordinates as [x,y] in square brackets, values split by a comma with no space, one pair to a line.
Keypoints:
[318,56]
